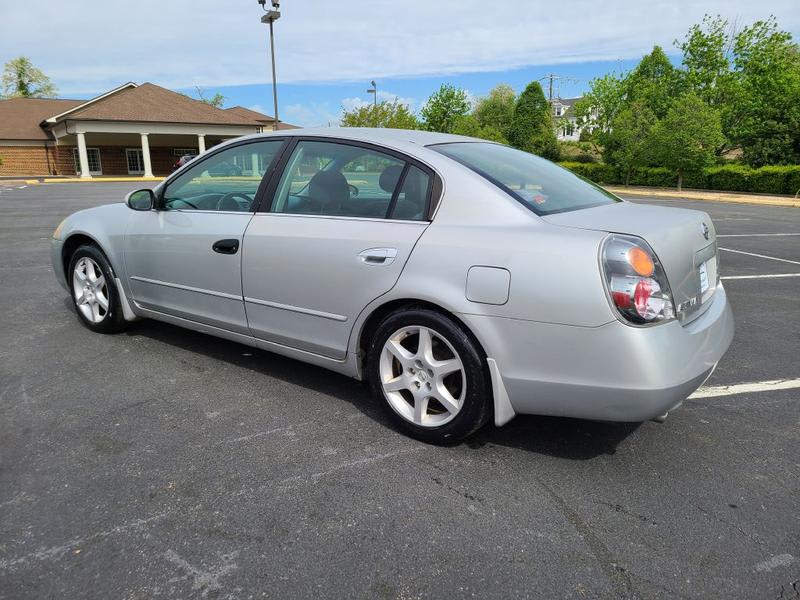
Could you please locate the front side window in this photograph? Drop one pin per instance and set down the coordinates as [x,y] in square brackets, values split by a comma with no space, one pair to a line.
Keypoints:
[330,178]
[542,186]
[225,181]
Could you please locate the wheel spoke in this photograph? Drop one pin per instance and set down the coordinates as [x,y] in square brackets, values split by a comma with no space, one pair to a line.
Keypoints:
[442,368]
[425,347]
[445,398]
[102,301]
[95,311]
[80,299]
[396,384]
[420,409]
[99,282]
[399,352]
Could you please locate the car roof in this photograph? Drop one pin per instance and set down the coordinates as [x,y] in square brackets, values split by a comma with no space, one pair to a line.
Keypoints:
[401,139]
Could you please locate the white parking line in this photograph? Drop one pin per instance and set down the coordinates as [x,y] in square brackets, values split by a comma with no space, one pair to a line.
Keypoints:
[761,276]
[794,262]
[746,388]
[756,235]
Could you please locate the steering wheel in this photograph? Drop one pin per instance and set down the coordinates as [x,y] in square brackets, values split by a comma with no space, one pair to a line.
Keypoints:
[179,200]
[353,190]
[236,196]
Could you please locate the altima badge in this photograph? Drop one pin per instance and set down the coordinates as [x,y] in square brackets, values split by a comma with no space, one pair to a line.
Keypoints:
[704,230]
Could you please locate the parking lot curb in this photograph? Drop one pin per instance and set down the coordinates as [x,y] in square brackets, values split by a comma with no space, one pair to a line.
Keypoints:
[707,196]
[96,180]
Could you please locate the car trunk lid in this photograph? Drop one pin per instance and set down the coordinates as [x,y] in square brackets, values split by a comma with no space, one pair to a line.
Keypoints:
[684,241]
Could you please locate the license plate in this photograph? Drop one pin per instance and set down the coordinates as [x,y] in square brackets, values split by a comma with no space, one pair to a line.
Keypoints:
[704,277]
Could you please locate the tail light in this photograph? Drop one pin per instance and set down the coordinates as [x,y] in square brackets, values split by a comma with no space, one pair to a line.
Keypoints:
[636,282]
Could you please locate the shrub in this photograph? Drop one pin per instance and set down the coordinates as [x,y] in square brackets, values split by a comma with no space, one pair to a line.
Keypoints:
[726,178]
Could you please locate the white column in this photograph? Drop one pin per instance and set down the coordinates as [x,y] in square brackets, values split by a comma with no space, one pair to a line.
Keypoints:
[254,162]
[201,142]
[148,169]
[83,157]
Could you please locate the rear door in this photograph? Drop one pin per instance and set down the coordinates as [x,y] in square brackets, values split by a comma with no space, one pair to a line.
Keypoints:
[343,222]
[184,257]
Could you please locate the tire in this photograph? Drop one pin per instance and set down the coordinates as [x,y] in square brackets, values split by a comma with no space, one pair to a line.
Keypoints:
[426,394]
[93,291]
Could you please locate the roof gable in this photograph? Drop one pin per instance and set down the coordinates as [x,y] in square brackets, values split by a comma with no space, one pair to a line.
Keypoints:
[154,104]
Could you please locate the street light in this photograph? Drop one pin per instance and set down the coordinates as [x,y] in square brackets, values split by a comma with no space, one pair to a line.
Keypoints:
[272,15]
[374,91]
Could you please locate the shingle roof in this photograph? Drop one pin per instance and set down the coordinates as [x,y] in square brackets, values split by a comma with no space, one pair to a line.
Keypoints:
[20,117]
[154,104]
[258,117]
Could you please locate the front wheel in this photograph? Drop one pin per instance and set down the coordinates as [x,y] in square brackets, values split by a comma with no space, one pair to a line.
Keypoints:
[94,293]
[429,375]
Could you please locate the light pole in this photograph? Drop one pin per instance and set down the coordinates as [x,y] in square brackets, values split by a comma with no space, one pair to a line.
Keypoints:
[272,15]
[374,91]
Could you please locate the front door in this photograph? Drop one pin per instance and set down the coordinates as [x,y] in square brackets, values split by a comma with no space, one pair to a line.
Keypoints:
[184,259]
[135,159]
[93,159]
[342,224]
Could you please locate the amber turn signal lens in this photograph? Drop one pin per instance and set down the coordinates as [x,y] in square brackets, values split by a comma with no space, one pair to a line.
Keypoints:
[641,262]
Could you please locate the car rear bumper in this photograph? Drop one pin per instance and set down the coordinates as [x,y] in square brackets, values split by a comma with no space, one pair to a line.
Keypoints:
[56,247]
[614,372]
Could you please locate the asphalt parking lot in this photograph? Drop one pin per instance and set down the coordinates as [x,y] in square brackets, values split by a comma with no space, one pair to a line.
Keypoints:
[163,463]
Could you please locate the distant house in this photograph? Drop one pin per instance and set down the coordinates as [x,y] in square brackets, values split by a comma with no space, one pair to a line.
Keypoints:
[566,122]
[130,130]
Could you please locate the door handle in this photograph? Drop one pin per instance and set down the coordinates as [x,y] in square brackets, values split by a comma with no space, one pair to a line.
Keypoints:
[378,256]
[226,246]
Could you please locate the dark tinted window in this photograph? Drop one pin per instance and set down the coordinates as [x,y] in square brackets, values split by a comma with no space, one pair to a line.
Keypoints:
[331,178]
[539,184]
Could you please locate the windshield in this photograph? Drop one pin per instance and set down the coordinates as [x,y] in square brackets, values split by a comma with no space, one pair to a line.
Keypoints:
[542,186]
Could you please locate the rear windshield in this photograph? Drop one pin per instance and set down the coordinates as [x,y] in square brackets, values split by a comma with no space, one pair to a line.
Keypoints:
[539,184]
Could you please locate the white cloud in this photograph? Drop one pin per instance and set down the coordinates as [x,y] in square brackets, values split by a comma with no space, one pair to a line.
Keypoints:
[310,115]
[353,103]
[90,45]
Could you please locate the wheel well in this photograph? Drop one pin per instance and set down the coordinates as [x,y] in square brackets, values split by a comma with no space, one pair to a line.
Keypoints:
[374,320]
[71,244]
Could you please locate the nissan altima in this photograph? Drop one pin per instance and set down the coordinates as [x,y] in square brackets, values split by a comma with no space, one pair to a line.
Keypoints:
[465,280]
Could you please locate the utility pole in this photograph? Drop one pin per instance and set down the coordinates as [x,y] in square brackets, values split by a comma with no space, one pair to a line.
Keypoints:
[272,15]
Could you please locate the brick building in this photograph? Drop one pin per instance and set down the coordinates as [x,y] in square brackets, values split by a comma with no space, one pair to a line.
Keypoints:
[131,130]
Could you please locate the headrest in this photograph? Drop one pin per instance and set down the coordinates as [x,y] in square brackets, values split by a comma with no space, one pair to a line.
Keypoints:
[389,177]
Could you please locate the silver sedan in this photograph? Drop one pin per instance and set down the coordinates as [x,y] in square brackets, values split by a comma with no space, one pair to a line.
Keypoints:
[465,280]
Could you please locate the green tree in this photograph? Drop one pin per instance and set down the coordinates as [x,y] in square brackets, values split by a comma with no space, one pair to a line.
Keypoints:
[600,105]
[22,79]
[470,126]
[628,141]
[532,127]
[496,111]
[765,120]
[443,109]
[391,115]
[685,140]
[654,83]
[217,100]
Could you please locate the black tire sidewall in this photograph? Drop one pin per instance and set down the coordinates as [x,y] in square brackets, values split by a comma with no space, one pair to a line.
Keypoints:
[478,401]
[113,320]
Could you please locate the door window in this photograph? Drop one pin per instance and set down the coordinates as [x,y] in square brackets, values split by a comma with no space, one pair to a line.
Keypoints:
[135,158]
[225,181]
[330,178]
[93,158]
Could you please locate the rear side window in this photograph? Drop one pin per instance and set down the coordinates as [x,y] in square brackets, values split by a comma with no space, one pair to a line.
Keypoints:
[336,179]
[540,185]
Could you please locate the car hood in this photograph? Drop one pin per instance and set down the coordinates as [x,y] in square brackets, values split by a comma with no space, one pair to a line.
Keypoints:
[682,239]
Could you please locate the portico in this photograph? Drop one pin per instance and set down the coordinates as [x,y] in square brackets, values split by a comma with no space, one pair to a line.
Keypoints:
[136,130]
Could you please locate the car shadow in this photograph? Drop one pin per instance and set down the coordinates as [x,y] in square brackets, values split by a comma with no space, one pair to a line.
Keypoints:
[573,439]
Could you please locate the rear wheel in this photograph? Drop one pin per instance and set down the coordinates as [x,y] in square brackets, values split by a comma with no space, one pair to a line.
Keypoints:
[94,292]
[429,375]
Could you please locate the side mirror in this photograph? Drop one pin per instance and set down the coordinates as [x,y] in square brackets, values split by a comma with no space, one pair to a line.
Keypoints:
[141,199]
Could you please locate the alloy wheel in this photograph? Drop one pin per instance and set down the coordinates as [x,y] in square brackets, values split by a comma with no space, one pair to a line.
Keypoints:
[422,376]
[90,289]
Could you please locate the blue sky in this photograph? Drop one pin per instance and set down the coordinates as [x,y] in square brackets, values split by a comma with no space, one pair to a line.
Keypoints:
[328,50]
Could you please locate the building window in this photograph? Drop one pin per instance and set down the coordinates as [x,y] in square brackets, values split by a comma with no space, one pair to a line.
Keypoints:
[93,156]
[135,160]
[185,152]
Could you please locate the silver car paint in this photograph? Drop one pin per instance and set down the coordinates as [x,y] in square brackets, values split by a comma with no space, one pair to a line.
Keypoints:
[554,347]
